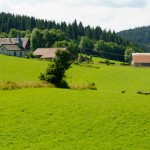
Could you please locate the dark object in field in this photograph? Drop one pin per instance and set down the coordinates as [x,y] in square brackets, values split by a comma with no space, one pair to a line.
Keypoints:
[123,91]
[144,93]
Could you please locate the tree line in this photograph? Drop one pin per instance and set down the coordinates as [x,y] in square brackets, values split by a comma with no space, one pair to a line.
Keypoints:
[72,30]
[74,36]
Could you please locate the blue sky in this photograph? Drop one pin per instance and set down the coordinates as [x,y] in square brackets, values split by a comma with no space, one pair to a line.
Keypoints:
[110,14]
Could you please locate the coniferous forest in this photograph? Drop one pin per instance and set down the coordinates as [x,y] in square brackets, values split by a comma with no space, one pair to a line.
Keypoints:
[140,36]
[48,33]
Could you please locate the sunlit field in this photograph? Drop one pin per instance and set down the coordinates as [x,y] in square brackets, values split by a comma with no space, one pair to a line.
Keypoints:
[53,118]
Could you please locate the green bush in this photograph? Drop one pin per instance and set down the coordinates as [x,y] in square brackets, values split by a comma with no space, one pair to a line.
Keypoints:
[30,55]
[124,64]
[102,62]
[112,63]
[107,62]
[76,62]
[55,72]
[85,59]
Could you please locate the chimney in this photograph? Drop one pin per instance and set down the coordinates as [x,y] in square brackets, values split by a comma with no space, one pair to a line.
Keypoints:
[19,41]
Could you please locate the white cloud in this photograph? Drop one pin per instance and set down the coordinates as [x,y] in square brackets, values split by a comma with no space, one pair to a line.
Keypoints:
[126,3]
[110,14]
[108,3]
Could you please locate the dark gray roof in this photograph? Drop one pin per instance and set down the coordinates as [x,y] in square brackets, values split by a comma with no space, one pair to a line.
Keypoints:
[13,41]
[12,47]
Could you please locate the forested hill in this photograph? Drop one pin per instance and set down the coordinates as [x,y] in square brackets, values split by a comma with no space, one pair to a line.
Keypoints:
[72,30]
[140,36]
[48,33]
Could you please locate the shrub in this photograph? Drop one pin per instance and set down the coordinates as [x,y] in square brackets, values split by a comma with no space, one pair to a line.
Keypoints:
[30,55]
[85,59]
[55,72]
[76,62]
[112,63]
[102,62]
[124,64]
[90,86]
[107,62]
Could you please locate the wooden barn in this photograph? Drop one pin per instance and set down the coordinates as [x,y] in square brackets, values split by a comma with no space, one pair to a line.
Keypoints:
[46,53]
[141,59]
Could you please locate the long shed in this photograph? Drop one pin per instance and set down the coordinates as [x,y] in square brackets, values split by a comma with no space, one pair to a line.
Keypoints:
[141,59]
[46,53]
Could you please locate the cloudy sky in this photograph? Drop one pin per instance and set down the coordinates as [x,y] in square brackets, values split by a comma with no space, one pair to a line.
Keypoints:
[110,14]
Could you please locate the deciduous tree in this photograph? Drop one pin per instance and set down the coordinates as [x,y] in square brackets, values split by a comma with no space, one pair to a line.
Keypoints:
[56,71]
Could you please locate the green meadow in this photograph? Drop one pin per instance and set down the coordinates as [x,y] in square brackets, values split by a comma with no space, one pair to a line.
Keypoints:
[20,69]
[57,119]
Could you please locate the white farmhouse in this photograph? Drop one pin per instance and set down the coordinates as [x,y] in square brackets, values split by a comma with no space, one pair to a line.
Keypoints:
[14,46]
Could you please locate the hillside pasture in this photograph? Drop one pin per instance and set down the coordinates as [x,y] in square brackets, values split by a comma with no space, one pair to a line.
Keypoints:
[57,119]
[70,119]
[20,69]
[112,78]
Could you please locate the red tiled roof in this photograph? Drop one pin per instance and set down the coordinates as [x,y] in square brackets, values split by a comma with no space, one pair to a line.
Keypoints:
[141,57]
[46,52]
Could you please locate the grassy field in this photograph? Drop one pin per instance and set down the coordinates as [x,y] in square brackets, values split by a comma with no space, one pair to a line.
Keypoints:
[52,118]
[20,69]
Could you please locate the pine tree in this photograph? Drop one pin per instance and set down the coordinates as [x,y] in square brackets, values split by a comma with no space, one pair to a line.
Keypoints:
[88,32]
[70,32]
[80,29]
[75,30]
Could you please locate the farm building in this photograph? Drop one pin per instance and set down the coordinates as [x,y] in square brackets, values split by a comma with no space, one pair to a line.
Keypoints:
[14,46]
[46,53]
[141,59]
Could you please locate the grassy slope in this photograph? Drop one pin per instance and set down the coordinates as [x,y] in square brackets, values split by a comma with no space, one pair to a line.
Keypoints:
[20,69]
[111,78]
[40,119]
[70,119]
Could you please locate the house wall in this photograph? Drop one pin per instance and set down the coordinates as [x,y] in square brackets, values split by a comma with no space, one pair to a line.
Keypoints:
[3,50]
[17,53]
[142,64]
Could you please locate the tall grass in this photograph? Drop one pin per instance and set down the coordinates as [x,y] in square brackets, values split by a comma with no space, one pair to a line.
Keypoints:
[10,85]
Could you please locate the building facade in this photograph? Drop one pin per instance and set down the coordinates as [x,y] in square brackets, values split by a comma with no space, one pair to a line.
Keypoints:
[14,46]
[141,59]
[46,53]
